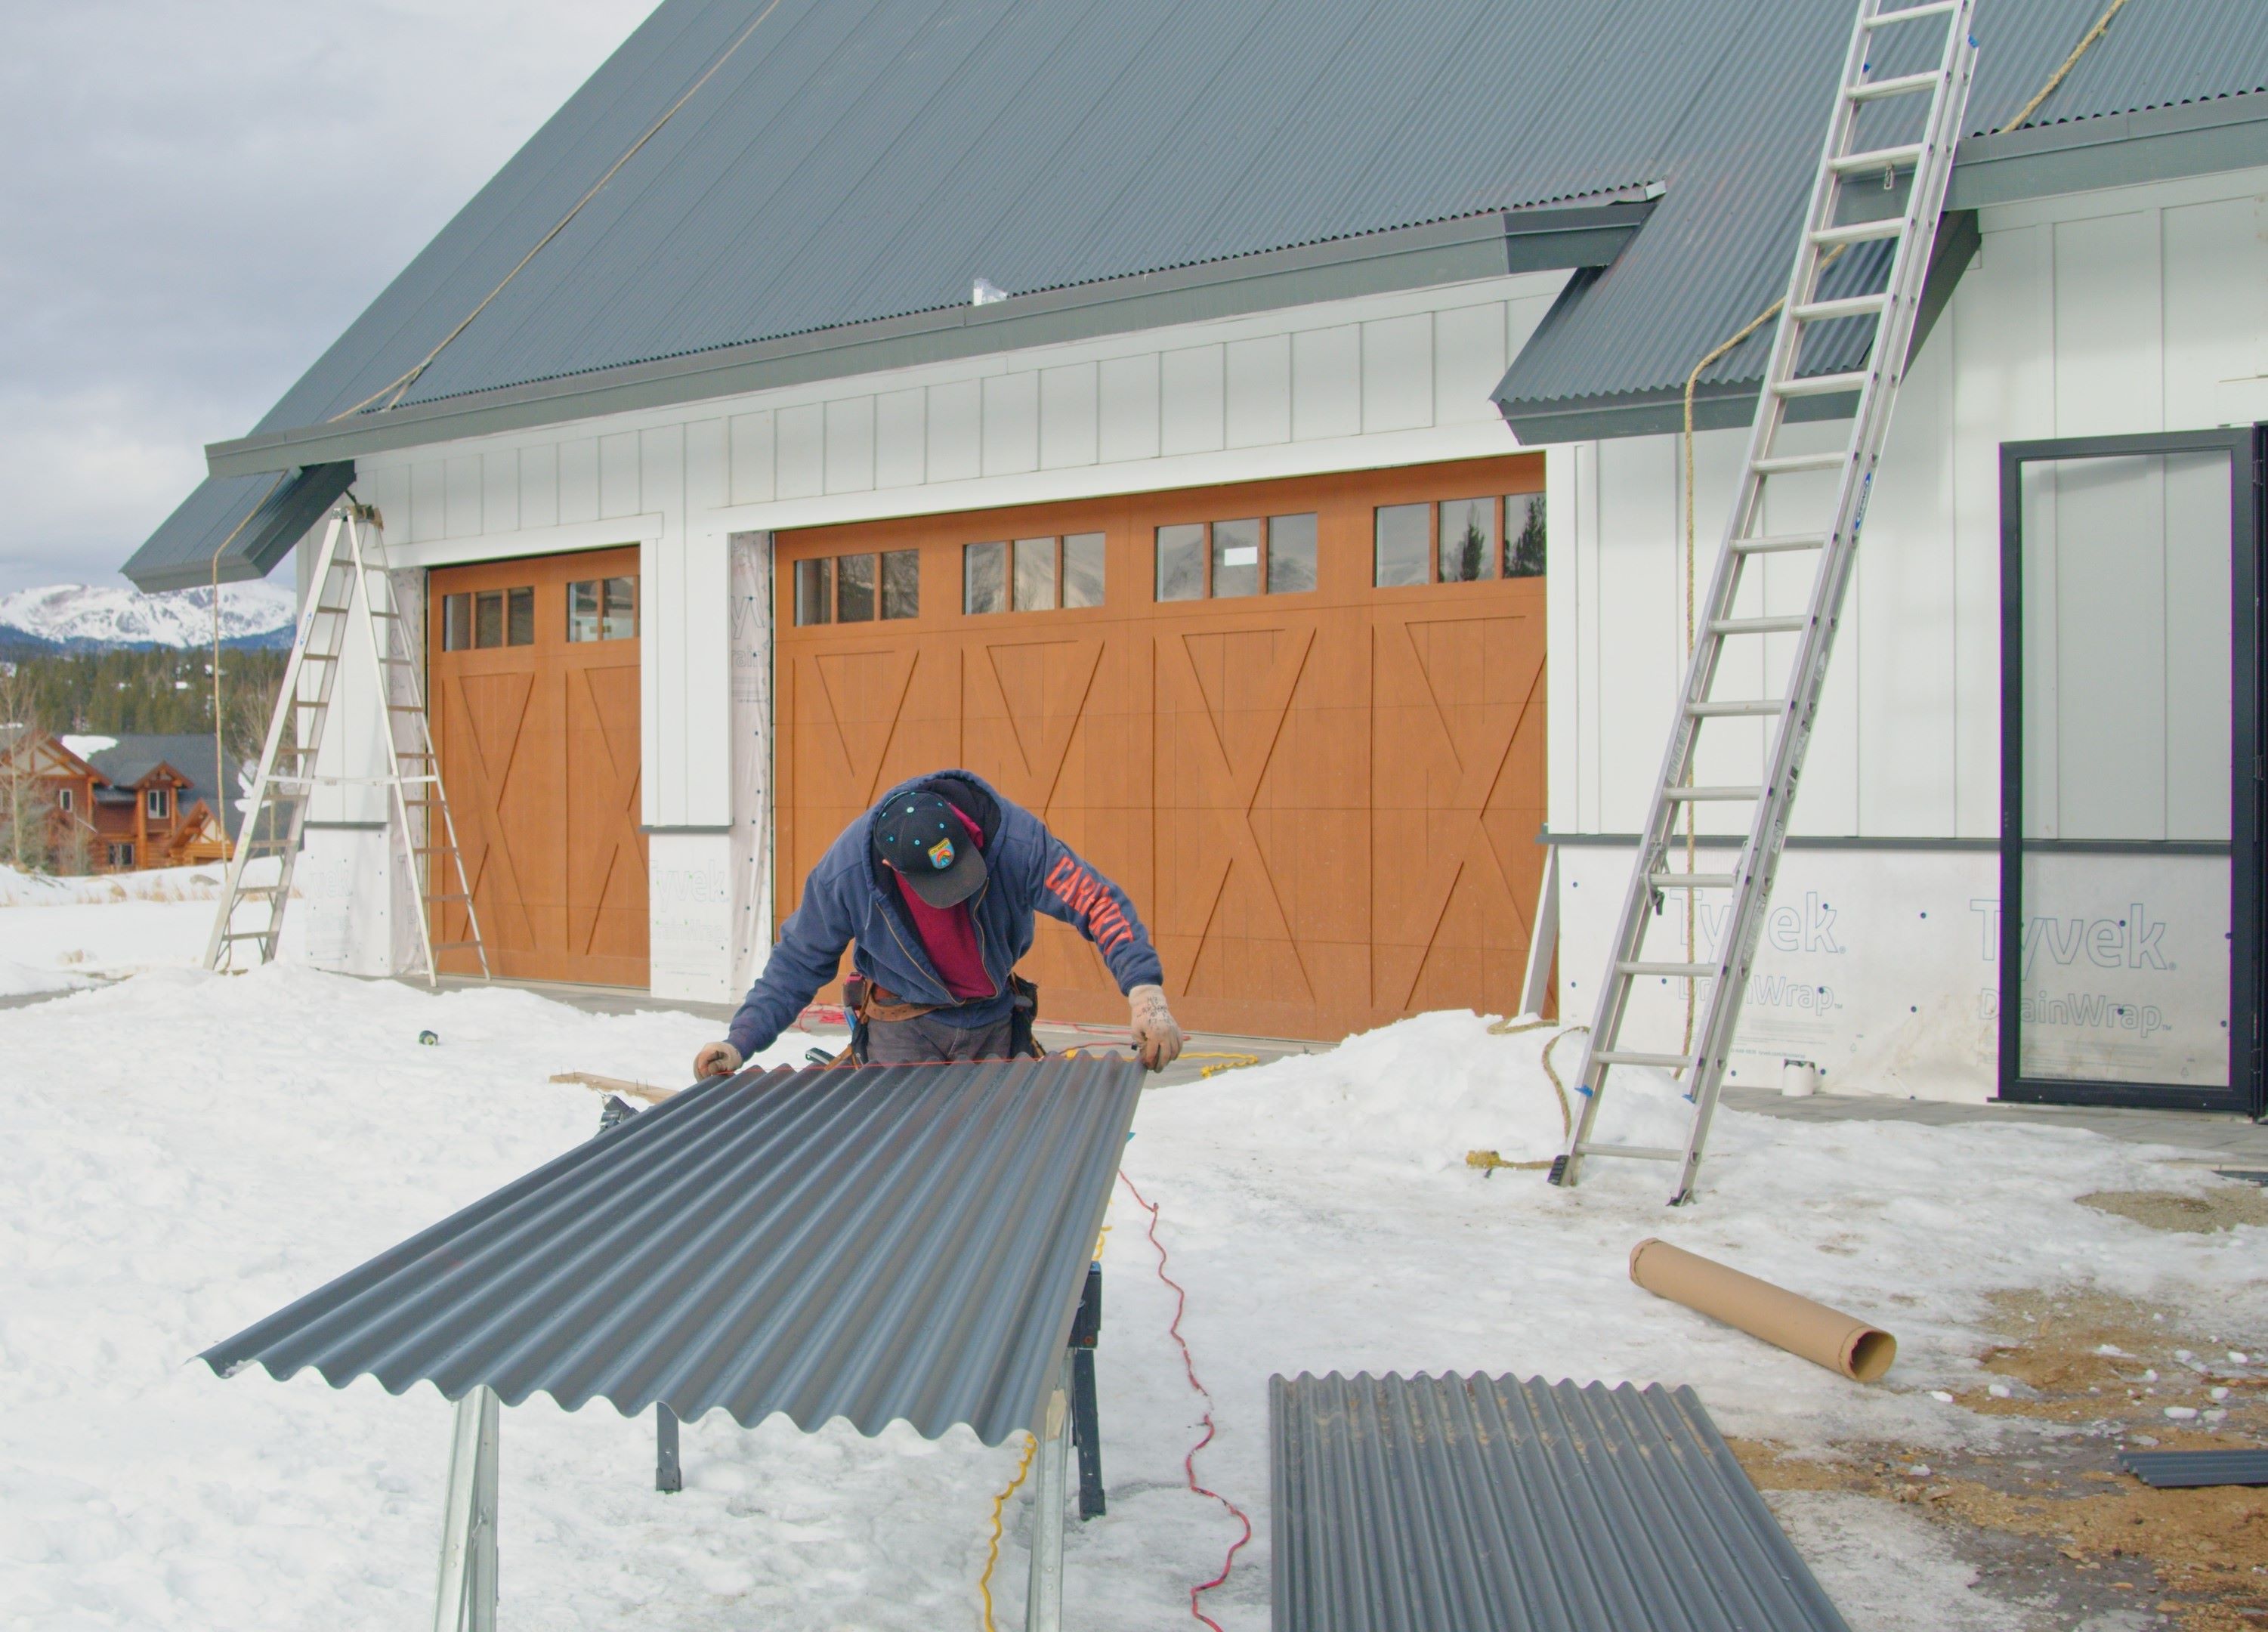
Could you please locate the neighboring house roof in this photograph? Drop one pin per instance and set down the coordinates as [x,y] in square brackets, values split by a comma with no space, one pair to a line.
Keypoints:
[823,204]
[131,758]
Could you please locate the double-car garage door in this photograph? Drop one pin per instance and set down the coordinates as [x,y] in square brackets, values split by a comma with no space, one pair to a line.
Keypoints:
[1301,722]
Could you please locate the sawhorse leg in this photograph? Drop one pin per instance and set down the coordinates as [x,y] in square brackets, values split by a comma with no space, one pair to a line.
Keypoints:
[668,1472]
[1050,1460]
[466,1601]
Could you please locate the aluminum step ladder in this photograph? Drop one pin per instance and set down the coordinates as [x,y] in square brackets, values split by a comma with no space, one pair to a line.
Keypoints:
[1859,155]
[351,586]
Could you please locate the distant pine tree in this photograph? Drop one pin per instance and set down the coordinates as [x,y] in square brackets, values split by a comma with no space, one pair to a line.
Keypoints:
[122,692]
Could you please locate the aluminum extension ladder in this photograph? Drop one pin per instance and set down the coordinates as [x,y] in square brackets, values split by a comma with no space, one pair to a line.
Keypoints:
[351,584]
[1851,159]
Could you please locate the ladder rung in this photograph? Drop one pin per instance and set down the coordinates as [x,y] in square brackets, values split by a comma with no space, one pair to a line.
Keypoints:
[1877,158]
[1767,544]
[405,708]
[1693,880]
[247,935]
[1681,793]
[1824,385]
[1904,84]
[1911,14]
[1857,231]
[1733,708]
[319,657]
[335,611]
[1757,625]
[1850,305]
[1626,1057]
[1642,1153]
[1668,972]
[1782,465]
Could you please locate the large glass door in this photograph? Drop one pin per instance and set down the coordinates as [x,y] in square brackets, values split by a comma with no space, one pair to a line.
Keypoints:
[2130,867]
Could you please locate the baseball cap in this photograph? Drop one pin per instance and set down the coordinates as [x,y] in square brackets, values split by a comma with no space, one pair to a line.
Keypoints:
[922,839]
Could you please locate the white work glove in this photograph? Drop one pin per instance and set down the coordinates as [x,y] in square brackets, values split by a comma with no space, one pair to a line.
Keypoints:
[716,1059]
[1157,1038]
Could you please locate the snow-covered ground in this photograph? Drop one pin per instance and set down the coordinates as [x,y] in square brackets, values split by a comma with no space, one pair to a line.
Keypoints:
[114,924]
[181,1154]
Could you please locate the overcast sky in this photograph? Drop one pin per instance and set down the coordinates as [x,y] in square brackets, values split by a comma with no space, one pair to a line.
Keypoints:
[199,195]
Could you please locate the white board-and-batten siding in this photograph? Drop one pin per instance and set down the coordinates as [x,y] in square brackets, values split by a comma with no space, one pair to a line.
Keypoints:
[2134,310]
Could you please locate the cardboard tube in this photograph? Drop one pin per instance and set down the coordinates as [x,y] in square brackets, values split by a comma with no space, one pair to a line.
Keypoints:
[1824,1336]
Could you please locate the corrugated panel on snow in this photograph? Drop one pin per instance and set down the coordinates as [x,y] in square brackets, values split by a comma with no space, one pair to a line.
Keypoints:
[1422,1503]
[902,1242]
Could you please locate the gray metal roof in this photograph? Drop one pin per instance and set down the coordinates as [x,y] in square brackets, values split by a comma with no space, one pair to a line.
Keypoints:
[248,522]
[1414,1504]
[830,194]
[904,1242]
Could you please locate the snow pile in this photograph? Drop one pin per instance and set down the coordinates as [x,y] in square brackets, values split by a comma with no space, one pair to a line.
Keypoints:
[184,1153]
[119,615]
[157,883]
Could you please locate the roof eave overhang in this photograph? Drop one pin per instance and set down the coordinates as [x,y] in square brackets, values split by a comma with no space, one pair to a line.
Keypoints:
[1490,245]
[2048,161]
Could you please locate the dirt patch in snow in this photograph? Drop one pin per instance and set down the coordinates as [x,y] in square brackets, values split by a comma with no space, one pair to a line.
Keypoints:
[2046,1517]
[2222,1207]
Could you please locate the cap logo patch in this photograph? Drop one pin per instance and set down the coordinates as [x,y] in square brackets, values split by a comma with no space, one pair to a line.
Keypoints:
[940,854]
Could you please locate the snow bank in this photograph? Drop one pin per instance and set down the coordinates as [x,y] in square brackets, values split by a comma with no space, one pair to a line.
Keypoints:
[237,1141]
[158,883]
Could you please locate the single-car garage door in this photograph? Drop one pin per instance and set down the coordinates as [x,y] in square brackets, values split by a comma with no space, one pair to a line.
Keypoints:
[532,673]
[1301,722]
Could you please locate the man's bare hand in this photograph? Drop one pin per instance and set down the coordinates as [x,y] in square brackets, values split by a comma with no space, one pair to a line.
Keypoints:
[716,1059]
[1157,1036]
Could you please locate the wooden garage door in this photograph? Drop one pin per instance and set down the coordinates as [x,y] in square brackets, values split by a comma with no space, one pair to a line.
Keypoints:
[533,687]
[1323,800]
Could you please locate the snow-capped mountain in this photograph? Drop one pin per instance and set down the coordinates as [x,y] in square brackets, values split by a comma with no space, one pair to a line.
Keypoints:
[82,615]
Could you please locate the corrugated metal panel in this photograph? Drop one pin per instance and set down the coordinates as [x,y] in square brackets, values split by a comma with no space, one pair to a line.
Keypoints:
[904,1242]
[251,520]
[2190,1470]
[1425,1503]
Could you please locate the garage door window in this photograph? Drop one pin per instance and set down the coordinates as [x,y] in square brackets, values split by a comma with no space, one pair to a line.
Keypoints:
[1197,560]
[1458,541]
[857,588]
[1032,574]
[602,609]
[492,617]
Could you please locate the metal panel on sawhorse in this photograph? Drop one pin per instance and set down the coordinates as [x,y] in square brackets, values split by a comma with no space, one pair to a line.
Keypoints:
[350,584]
[1866,142]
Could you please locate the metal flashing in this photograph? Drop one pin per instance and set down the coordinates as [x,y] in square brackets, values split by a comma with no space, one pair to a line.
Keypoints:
[1411,1504]
[898,1243]
[2193,1469]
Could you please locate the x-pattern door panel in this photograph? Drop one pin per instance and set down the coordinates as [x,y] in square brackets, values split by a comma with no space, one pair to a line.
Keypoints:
[1325,804]
[539,739]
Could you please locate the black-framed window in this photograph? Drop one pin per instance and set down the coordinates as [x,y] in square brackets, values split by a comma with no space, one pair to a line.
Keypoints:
[1241,555]
[2129,919]
[479,619]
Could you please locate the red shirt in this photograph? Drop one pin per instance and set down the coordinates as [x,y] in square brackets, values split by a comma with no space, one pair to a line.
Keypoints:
[948,934]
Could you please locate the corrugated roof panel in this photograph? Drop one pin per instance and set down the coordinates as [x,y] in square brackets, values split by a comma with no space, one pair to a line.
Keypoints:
[902,1242]
[248,522]
[856,160]
[1413,1504]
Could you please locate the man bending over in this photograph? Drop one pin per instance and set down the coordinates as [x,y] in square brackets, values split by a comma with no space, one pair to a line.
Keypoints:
[936,887]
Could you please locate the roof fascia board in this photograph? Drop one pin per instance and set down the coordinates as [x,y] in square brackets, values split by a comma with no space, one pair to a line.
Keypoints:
[1492,245]
[2116,149]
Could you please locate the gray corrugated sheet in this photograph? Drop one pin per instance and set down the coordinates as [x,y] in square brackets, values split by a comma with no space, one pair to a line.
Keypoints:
[859,160]
[1428,1504]
[903,1242]
[2190,1470]
[250,521]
